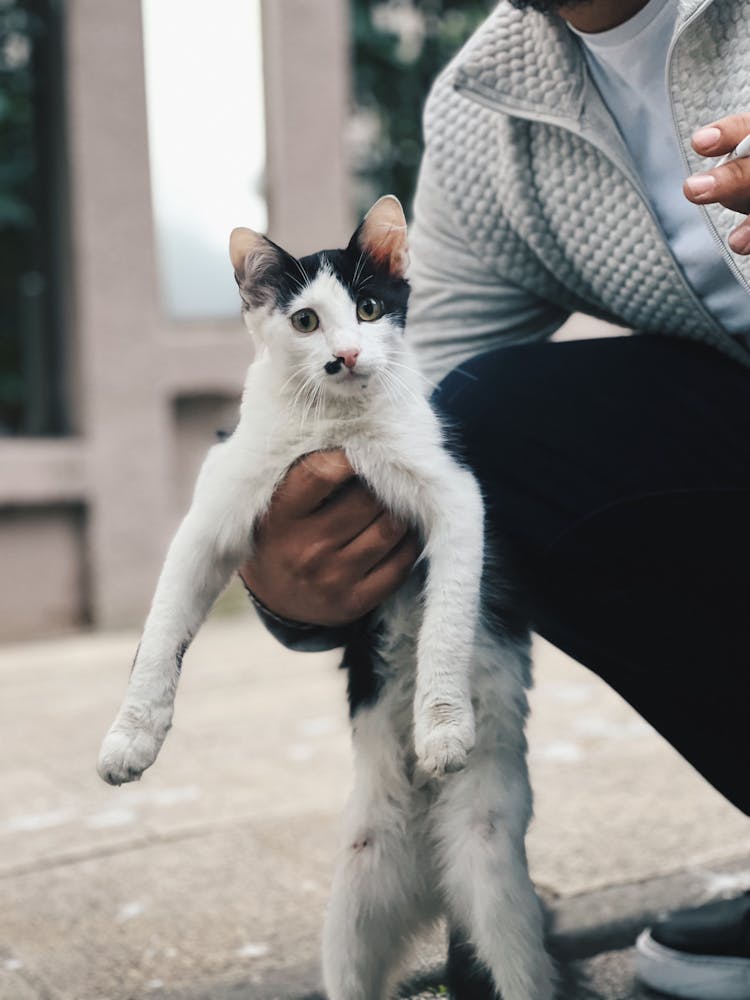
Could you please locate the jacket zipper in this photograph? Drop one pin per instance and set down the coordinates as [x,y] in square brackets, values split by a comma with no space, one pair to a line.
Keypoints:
[731,263]
[494,104]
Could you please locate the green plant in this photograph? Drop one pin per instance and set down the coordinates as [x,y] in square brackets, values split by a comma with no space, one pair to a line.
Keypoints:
[398,47]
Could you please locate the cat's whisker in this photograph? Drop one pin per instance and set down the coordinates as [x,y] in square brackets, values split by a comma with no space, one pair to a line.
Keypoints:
[293,376]
[315,388]
[358,268]
[303,389]
[388,386]
[308,401]
[305,275]
[318,415]
[404,385]
[315,410]
[389,392]
[300,284]
[300,395]
[415,372]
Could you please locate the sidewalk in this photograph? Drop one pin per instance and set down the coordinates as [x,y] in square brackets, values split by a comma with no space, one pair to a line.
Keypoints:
[207,880]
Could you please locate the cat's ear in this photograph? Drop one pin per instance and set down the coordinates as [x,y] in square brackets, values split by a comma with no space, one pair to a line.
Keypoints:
[244,244]
[257,263]
[382,235]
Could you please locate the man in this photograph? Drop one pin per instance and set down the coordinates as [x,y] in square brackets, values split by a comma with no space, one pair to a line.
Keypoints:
[558,144]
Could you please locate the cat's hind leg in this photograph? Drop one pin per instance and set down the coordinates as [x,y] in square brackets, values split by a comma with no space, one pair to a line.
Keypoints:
[373,914]
[466,977]
[382,893]
[479,823]
[489,894]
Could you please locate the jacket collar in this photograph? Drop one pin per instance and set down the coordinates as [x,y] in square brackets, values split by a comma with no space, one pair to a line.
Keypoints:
[531,64]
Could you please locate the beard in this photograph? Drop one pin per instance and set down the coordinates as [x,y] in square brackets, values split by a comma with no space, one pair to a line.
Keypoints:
[548,6]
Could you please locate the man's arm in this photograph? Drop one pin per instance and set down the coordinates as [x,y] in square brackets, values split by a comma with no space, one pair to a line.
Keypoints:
[461,305]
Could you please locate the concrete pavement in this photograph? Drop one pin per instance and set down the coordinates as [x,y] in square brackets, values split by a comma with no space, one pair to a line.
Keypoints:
[208,878]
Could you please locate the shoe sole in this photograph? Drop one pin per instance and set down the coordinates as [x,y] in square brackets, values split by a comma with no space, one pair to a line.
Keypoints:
[694,977]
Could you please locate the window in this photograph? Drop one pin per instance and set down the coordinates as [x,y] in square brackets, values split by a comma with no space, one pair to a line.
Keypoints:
[204,79]
[33,226]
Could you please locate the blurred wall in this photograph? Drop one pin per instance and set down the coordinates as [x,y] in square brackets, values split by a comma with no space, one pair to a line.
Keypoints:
[84,520]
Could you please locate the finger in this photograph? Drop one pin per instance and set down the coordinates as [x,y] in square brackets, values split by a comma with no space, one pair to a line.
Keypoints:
[722,136]
[346,514]
[373,545]
[729,185]
[739,239]
[387,576]
[311,481]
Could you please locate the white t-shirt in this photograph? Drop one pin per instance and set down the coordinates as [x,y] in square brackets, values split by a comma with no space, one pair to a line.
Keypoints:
[628,65]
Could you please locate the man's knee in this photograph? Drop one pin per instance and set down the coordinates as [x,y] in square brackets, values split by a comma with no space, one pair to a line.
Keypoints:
[485,405]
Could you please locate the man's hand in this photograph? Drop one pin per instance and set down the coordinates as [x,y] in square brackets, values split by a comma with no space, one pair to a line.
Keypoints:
[730,184]
[326,553]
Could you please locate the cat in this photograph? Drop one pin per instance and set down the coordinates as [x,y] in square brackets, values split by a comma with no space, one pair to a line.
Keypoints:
[437,818]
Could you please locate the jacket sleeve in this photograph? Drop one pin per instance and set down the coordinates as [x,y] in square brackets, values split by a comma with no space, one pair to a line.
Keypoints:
[299,636]
[461,303]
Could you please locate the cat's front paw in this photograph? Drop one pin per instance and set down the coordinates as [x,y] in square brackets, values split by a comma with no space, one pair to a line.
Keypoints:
[126,753]
[443,738]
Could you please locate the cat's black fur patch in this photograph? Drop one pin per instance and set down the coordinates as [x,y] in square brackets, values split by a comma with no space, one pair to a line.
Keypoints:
[280,278]
[364,683]
[467,977]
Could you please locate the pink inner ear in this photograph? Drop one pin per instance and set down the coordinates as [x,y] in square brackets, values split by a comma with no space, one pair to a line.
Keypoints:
[383,235]
[242,243]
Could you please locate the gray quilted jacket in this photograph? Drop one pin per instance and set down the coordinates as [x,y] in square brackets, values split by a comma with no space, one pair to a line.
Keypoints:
[529,207]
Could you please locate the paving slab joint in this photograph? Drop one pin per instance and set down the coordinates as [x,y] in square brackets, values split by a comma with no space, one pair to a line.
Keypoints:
[610,918]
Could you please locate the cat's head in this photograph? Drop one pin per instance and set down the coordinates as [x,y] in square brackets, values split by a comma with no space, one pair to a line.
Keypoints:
[335,318]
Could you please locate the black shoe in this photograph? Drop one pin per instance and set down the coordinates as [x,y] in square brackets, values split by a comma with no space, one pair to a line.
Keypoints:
[700,954]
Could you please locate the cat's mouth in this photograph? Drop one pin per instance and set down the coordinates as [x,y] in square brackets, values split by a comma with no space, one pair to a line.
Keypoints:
[346,383]
[349,374]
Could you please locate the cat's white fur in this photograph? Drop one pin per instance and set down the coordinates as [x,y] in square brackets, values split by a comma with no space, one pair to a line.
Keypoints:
[438,815]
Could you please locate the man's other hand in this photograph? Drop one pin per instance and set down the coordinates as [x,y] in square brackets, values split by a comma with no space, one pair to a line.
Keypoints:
[326,552]
[729,184]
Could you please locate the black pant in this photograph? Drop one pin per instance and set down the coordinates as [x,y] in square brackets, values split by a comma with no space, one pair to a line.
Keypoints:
[617,472]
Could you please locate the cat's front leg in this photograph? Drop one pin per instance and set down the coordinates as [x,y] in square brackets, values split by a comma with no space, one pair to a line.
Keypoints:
[192,577]
[205,551]
[443,735]
[443,712]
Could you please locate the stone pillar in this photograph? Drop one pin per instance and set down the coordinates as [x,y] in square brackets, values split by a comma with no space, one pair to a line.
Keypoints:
[122,413]
[306,46]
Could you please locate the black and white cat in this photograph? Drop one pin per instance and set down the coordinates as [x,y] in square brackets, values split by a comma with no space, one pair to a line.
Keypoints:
[438,815]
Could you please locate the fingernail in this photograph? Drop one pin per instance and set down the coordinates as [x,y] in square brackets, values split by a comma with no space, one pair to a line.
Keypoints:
[739,240]
[707,136]
[700,184]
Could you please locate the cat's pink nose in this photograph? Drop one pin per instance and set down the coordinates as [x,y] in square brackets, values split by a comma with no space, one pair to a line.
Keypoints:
[348,357]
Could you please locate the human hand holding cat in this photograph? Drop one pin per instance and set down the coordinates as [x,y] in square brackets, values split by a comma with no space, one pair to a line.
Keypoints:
[326,552]
[728,184]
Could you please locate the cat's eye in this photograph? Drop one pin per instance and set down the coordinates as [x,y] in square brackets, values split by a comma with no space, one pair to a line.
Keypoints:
[369,309]
[305,320]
